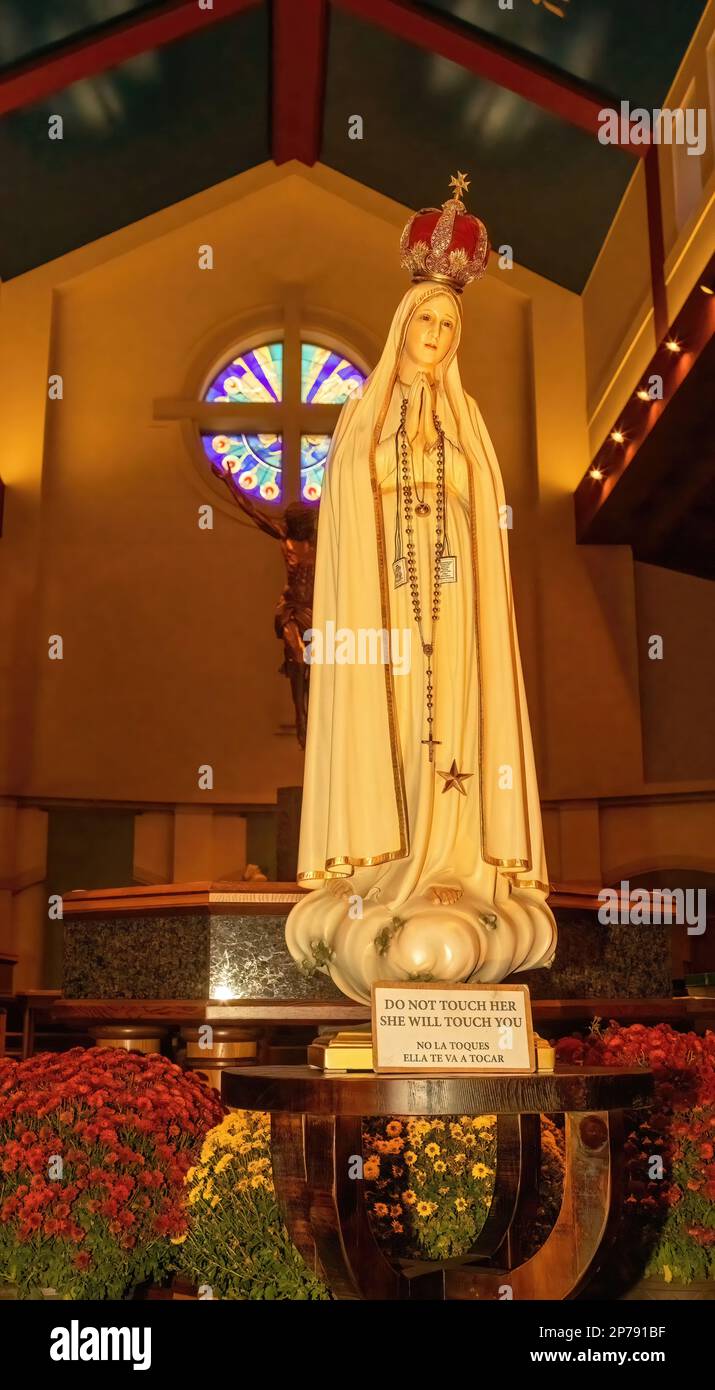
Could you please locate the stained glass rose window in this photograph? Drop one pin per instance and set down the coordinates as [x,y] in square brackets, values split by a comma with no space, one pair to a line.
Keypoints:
[276,403]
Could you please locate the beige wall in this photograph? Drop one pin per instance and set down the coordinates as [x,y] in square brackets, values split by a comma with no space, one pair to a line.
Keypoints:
[169,655]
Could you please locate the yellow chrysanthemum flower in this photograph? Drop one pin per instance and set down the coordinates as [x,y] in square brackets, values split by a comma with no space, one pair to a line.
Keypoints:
[424,1209]
[410,1157]
[215,1200]
[432,1150]
[371,1168]
[456,1131]
[460,1204]
[409,1197]
[440,1166]
[480,1170]
[179,1240]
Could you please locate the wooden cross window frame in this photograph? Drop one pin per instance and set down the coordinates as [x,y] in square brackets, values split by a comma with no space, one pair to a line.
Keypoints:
[291,418]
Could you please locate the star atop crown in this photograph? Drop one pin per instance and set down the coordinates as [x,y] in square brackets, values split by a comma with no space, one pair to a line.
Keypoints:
[446,244]
[460,183]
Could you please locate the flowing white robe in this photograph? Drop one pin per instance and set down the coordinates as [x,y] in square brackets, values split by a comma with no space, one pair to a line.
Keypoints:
[389,927]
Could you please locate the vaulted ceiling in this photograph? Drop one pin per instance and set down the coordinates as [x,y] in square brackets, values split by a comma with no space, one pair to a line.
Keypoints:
[160,100]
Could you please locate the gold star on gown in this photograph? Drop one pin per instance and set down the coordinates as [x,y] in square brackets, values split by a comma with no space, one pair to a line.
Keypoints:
[454,778]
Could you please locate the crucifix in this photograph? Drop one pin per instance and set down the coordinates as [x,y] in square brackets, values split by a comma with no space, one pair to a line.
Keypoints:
[432,743]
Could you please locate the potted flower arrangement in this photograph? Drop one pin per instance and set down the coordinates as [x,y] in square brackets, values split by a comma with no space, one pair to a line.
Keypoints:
[670,1149]
[235,1244]
[430,1182]
[94,1146]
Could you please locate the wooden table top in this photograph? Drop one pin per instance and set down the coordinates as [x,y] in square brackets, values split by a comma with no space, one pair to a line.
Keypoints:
[303,1090]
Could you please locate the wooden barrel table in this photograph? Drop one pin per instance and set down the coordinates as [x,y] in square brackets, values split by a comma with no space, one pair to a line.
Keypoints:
[316,1134]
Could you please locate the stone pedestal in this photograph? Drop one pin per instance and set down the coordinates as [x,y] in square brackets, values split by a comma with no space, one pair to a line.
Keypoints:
[184,941]
[222,941]
[607,962]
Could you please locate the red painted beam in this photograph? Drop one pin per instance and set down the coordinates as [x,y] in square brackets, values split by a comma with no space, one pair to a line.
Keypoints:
[562,96]
[300,36]
[92,53]
[655,242]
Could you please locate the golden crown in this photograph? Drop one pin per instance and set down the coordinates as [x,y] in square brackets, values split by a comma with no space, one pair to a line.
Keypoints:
[446,244]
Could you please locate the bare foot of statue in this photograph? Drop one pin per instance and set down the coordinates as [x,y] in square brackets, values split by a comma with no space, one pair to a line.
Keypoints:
[445,896]
[338,887]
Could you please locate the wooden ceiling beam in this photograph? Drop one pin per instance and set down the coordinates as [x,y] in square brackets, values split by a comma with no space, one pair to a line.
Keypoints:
[300,37]
[563,96]
[91,53]
[656,242]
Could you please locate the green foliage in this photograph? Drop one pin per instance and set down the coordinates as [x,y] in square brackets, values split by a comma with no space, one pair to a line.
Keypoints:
[237,1242]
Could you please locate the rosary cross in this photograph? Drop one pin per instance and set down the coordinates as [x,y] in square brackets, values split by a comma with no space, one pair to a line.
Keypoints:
[432,743]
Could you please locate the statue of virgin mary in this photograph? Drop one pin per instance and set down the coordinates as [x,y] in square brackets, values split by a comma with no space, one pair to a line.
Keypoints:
[421,827]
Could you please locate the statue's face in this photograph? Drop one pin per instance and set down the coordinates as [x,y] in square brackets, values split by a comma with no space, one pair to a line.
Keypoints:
[430,332]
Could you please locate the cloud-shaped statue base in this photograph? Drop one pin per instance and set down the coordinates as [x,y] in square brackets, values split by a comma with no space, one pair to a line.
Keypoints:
[359,941]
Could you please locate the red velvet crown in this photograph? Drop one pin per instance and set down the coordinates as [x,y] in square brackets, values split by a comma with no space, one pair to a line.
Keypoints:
[446,244]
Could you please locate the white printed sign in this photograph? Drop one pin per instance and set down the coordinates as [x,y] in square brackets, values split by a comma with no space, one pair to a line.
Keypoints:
[430,1029]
